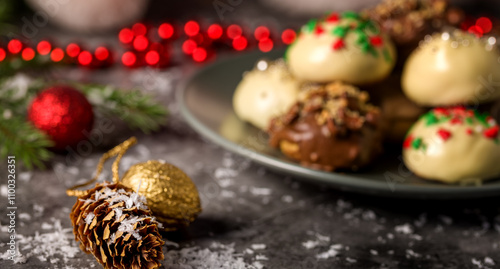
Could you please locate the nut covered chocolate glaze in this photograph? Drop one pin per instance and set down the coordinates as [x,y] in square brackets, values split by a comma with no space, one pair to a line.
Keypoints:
[331,127]
[408,21]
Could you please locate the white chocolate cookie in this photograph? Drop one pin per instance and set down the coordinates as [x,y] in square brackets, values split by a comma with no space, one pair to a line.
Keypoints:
[341,47]
[453,68]
[265,92]
[453,145]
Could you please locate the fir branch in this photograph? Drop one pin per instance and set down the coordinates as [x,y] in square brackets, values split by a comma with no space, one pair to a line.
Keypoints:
[136,109]
[21,139]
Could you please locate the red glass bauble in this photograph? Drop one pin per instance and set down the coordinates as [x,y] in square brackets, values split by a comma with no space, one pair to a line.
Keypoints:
[64,114]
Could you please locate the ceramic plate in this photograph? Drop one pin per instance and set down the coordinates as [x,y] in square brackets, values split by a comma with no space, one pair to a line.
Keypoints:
[206,104]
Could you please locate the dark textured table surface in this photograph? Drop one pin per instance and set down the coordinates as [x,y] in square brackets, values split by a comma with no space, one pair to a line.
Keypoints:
[252,217]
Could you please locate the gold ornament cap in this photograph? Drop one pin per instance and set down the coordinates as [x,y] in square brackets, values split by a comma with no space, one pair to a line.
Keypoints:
[170,193]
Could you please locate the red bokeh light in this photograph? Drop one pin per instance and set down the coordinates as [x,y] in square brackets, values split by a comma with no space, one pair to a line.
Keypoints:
[85,58]
[474,29]
[165,30]
[129,59]
[191,28]
[485,24]
[15,46]
[152,57]
[234,31]
[200,54]
[261,32]
[266,45]
[101,53]
[57,55]
[28,54]
[240,43]
[141,43]
[215,31]
[73,50]
[288,36]
[2,54]
[189,46]
[139,29]
[126,35]
[44,47]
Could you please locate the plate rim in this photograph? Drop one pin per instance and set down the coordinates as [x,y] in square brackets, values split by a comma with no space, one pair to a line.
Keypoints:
[340,181]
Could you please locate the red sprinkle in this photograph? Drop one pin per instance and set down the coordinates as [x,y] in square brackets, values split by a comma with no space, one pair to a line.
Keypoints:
[444,134]
[459,110]
[491,132]
[338,44]
[440,110]
[376,41]
[456,120]
[469,131]
[319,30]
[408,141]
[334,17]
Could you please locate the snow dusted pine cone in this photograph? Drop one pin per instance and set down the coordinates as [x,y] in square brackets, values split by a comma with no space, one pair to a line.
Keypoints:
[114,224]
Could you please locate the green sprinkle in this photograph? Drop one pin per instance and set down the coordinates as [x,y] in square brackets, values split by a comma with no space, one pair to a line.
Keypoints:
[417,143]
[311,25]
[469,120]
[362,37]
[350,15]
[365,47]
[362,25]
[373,51]
[339,31]
[481,117]
[370,26]
[430,119]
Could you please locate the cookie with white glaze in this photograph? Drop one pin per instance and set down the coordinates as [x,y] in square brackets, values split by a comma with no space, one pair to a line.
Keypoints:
[265,92]
[453,145]
[452,68]
[341,47]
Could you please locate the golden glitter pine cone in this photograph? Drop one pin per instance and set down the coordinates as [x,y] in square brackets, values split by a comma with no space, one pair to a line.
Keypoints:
[115,225]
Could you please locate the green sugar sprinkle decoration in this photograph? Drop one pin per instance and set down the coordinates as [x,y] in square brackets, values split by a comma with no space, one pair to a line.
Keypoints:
[481,117]
[340,31]
[311,25]
[469,121]
[430,119]
[350,15]
[362,37]
[416,143]
[372,51]
[370,26]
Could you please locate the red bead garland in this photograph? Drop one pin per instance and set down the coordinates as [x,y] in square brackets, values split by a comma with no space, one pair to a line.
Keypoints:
[57,55]
[15,46]
[44,47]
[151,45]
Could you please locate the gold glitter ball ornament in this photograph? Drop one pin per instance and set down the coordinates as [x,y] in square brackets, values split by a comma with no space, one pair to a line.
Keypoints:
[170,193]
